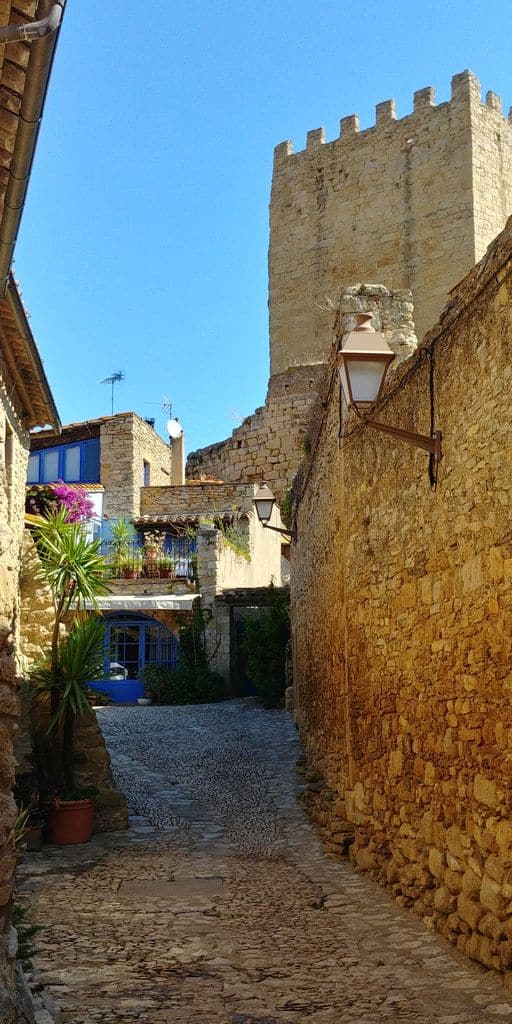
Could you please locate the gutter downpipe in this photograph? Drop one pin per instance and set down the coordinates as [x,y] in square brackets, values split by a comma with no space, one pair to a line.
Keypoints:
[43,34]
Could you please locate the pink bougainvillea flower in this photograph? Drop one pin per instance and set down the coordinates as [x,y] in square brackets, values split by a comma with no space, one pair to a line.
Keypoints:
[76,502]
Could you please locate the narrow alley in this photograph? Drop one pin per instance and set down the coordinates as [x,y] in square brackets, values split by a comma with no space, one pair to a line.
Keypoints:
[219,906]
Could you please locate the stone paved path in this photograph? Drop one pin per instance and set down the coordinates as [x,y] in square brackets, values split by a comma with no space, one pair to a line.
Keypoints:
[219,907]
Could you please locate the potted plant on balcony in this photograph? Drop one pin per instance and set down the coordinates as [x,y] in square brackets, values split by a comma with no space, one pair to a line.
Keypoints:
[153,552]
[74,570]
[123,536]
[166,567]
[130,567]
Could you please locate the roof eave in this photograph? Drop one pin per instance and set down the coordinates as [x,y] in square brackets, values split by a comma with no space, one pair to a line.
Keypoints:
[32,420]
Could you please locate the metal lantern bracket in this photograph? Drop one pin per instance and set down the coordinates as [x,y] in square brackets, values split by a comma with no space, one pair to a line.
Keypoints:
[429,444]
[277,529]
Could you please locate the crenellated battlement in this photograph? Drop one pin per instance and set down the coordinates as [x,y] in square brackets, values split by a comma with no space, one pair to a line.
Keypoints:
[412,202]
[465,91]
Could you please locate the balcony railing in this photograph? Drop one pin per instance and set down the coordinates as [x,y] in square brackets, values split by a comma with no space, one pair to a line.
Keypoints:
[129,561]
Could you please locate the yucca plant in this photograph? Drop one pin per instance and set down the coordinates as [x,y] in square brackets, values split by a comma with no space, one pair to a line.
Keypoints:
[73,568]
[79,659]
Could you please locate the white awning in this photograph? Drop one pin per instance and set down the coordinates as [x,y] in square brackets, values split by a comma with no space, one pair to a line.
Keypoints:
[143,602]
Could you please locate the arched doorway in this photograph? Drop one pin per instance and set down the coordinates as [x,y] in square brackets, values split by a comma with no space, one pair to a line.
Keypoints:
[133,641]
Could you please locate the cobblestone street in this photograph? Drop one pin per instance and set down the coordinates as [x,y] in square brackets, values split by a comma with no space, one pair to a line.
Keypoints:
[219,907]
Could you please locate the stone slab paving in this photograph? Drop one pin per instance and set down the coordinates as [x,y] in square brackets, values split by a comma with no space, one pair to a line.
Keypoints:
[219,905]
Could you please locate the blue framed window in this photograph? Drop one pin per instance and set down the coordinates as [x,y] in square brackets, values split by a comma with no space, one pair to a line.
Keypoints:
[75,463]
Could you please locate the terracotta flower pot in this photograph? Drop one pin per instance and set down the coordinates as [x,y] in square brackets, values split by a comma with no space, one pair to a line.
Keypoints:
[70,822]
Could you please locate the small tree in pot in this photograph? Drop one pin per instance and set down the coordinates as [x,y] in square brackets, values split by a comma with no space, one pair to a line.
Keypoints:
[126,561]
[74,570]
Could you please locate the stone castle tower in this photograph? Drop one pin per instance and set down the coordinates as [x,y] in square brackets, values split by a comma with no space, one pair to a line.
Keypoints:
[410,203]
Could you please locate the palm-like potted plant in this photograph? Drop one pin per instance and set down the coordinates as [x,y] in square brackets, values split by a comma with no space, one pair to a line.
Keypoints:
[74,570]
[122,538]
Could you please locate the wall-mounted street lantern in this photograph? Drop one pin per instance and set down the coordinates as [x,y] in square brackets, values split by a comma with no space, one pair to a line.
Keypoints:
[264,501]
[365,358]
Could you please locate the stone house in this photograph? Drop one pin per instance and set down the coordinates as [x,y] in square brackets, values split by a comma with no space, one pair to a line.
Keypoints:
[234,552]
[217,544]
[401,601]
[25,403]
[25,400]
[183,528]
[112,457]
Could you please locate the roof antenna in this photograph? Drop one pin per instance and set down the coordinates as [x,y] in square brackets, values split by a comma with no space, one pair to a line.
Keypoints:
[165,405]
[117,376]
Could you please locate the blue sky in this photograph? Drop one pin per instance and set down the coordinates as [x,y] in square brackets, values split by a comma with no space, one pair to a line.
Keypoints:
[144,240]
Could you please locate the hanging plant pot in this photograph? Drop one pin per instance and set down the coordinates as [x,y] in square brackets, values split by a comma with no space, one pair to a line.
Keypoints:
[70,822]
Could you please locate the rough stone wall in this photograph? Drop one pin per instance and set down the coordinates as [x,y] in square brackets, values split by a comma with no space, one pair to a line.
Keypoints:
[126,442]
[392,313]
[269,445]
[92,768]
[13,467]
[201,499]
[402,626]
[411,203]
[36,608]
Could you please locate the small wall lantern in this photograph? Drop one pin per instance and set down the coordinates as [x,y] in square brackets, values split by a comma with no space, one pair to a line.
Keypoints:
[264,502]
[365,358]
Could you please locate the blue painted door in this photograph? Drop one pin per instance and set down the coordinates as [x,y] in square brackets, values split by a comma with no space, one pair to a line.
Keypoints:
[133,643]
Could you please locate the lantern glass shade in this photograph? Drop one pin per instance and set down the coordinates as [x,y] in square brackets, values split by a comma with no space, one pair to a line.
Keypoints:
[365,357]
[365,378]
[264,501]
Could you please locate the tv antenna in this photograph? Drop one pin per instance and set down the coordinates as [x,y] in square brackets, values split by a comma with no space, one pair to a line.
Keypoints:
[114,379]
[165,405]
[173,425]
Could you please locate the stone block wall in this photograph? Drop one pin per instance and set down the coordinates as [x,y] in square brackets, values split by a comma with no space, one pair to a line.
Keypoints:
[197,499]
[402,626]
[269,445]
[36,608]
[92,768]
[14,444]
[411,203]
[126,442]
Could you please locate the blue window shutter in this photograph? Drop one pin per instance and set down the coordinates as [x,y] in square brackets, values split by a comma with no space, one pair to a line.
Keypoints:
[91,461]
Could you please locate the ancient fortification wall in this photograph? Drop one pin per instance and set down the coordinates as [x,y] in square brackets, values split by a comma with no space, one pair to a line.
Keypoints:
[411,203]
[402,626]
[269,445]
